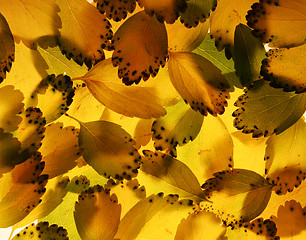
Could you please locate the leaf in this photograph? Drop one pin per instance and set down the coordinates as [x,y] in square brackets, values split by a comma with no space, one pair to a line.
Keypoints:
[201,225]
[140,48]
[264,110]
[132,101]
[97,214]
[285,68]
[42,230]
[199,82]
[116,9]
[142,132]
[7,48]
[284,156]
[248,54]
[37,19]
[11,104]
[266,16]
[21,190]
[172,171]
[181,38]
[197,11]
[223,22]
[167,11]
[85,32]
[155,217]
[178,127]
[109,149]
[237,195]
[59,149]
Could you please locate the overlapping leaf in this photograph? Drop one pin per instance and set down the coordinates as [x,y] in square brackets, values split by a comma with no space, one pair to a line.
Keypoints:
[279,22]
[140,48]
[286,68]
[264,110]
[199,82]
[116,9]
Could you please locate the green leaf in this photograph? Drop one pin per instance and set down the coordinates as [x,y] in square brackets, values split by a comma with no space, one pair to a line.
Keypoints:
[178,127]
[237,195]
[264,110]
[248,54]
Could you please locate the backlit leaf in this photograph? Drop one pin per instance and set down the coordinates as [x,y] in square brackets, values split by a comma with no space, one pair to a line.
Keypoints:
[42,230]
[11,104]
[248,54]
[85,32]
[197,11]
[132,101]
[181,38]
[109,149]
[21,190]
[199,82]
[284,158]
[164,10]
[286,68]
[279,22]
[116,9]
[224,19]
[142,132]
[30,19]
[264,110]
[97,214]
[140,48]
[237,195]
[7,48]
[59,149]
[178,127]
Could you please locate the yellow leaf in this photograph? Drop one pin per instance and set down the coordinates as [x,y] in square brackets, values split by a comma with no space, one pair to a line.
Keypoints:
[164,10]
[85,32]
[132,101]
[30,20]
[279,22]
[97,214]
[142,132]
[140,48]
[7,48]
[116,9]
[199,82]
[286,68]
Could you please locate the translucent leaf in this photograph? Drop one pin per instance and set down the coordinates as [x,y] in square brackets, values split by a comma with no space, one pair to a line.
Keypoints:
[21,190]
[164,10]
[181,38]
[140,48]
[279,22]
[11,104]
[38,19]
[178,127]
[142,132]
[284,158]
[7,48]
[85,32]
[291,220]
[109,149]
[264,110]
[224,19]
[42,230]
[155,217]
[201,225]
[237,195]
[285,68]
[55,192]
[132,101]
[197,11]
[59,149]
[210,152]
[172,171]
[199,82]
[116,9]
[97,214]
[248,54]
